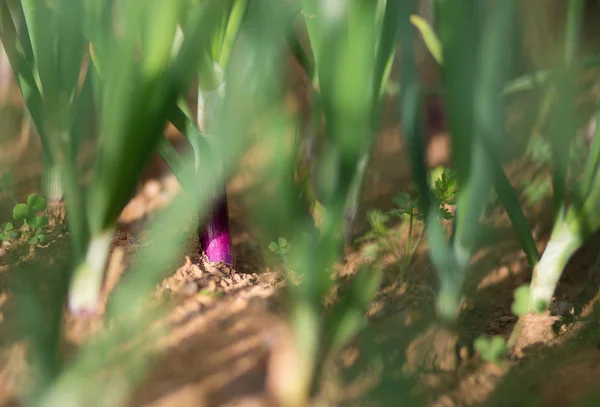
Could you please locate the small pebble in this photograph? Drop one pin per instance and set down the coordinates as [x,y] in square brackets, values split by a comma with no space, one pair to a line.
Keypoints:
[197,271]
[190,288]
[2,252]
[152,188]
[212,269]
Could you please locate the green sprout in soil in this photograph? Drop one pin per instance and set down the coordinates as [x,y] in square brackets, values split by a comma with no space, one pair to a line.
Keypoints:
[407,209]
[444,191]
[33,223]
[209,293]
[8,232]
[280,247]
[538,150]
[492,349]
[537,189]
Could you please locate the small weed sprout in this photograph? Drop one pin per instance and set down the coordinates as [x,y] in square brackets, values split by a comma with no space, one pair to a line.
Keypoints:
[407,208]
[34,223]
[281,249]
[8,232]
[538,150]
[492,349]
[378,235]
[444,189]
[537,189]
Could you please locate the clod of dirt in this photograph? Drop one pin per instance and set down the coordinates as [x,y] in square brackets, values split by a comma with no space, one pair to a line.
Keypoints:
[190,288]
[433,351]
[535,329]
[216,270]
[196,271]
[561,308]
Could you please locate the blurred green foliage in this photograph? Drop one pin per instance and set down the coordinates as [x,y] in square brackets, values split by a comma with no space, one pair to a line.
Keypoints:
[132,64]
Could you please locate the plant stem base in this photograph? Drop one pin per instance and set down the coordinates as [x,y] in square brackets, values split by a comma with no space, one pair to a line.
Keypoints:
[86,283]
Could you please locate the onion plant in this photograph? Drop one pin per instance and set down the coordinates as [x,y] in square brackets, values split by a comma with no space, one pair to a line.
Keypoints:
[144,57]
[473,58]
[575,208]
[577,221]
[214,238]
[214,232]
[50,90]
[138,78]
[384,50]
[575,213]
[49,80]
[135,87]
[352,45]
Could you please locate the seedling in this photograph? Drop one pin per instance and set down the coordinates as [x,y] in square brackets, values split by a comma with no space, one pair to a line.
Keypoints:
[477,131]
[8,232]
[444,193]
[538,150]
[492,350]
[381,236]
[407,207]
[537,189]
[280,247]
[445,190]
[209,293]
[444,181]
[33,223]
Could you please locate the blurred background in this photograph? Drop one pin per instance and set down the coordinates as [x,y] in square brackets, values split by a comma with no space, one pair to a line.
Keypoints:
[293,203]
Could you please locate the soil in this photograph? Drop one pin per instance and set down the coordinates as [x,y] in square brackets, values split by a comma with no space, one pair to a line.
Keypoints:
[227,341]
